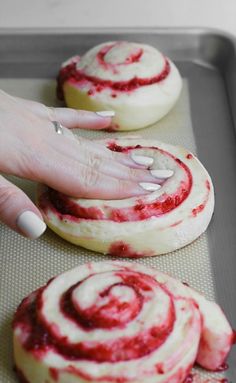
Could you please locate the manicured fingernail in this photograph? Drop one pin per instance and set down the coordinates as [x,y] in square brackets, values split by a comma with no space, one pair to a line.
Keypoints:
[149,186]
[106,113]
[30,224]
[162,173]
[142,160]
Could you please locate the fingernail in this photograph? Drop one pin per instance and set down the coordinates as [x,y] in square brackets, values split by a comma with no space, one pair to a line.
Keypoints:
[106,113]
[30,224]
[142,160]
[162,173]
[149,186]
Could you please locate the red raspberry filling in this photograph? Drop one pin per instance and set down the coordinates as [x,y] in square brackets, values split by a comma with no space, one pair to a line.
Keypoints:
[75,75]
[42,336]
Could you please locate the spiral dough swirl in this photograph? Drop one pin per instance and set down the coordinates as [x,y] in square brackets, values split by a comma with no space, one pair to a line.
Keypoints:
[170,217]
[135,80]
[117,322]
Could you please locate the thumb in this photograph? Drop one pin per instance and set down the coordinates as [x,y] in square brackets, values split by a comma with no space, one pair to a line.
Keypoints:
[18,212]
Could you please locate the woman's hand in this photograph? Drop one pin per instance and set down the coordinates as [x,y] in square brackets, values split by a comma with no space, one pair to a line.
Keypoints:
[30,148]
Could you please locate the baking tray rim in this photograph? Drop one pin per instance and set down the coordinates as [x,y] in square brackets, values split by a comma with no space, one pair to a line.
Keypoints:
[178,31]
[196,30]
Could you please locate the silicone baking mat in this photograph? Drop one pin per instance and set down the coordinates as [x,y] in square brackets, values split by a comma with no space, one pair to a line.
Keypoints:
[26,264]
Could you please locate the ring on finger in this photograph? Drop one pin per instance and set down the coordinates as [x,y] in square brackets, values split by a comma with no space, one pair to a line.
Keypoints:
[62,130]
[57,127]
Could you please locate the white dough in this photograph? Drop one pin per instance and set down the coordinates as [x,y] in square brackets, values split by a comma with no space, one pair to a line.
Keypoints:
[188,326]
[135,108]
[165,232]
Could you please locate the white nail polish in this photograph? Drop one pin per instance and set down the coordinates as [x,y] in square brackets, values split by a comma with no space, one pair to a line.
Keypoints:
[162,173]
[30,224]
[106,113]
[149,186]
[142,160]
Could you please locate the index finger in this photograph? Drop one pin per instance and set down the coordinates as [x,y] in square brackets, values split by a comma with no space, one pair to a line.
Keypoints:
[71,118]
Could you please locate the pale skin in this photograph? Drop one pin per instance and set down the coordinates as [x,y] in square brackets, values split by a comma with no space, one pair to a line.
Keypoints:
[30,148]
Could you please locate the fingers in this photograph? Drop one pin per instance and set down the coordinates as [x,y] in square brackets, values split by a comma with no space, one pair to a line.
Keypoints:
[71,118]
[100,148]
[18,212]
[85,182]
[103,161]
[74,171]
[77,161]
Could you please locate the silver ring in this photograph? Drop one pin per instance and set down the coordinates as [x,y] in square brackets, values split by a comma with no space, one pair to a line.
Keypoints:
[58,127]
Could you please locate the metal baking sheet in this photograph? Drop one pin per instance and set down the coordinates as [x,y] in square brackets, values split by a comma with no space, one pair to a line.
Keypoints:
[203,120]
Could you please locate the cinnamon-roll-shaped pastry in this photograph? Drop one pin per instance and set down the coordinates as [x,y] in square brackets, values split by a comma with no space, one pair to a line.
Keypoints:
[135,80]
[117,322]
[160,222]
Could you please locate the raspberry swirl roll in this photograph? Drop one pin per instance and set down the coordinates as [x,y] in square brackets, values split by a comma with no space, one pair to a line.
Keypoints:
[157,223]
[135,80]
[117,322]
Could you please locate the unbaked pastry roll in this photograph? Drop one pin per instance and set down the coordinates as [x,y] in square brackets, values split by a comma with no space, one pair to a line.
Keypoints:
[117,322]
[157,223]
[135,80]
